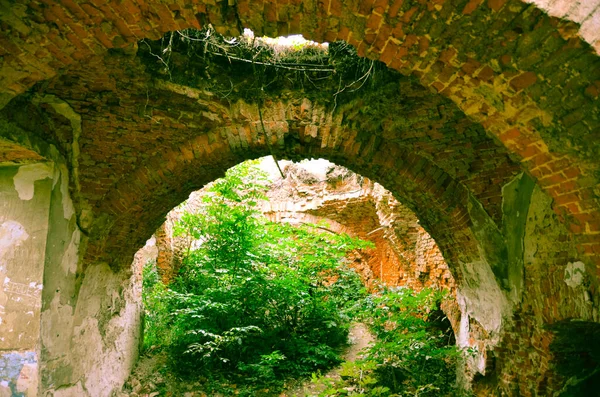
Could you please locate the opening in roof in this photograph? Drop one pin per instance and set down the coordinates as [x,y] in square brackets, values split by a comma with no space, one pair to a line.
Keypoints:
[290,43]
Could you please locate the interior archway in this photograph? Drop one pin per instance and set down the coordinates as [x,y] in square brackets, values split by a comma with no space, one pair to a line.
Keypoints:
[498,105]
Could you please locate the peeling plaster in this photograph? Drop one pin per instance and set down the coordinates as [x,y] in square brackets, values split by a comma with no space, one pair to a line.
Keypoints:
[574,274]
[101,325]
[475,359]
[584,13]
[56,317]
[27,175]
[483,299]
[61,174]
[70,257]
[12,234]
[18,374]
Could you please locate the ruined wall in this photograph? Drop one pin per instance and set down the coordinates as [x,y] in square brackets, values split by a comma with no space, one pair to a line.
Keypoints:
[404,253]
[440,164]
[491,91]
[25,193]
[90,320]
[314,192]
[556,288]
[67,328]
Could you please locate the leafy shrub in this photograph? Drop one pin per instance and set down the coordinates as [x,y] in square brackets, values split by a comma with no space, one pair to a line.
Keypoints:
[155,299]
[414,352]
[253,301]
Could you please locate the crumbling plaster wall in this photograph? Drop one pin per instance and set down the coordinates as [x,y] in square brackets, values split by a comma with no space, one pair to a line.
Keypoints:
[24,204]
[539,101]
[67,328]
[404,253]
[90,318]
[556,287]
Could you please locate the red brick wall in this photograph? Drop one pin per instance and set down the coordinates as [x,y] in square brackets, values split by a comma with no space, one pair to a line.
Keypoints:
[496,76]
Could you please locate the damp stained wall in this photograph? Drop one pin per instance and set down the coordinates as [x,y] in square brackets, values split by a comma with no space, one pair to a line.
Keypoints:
[66,328]
[25,193]
[90,320]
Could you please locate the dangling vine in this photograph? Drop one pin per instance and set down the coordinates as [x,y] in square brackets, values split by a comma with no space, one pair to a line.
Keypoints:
[204,58]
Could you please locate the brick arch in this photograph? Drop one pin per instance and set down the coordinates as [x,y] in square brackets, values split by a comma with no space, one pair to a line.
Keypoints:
[529,81]
[456,151]
[528,78]
[437,191]
[136,205]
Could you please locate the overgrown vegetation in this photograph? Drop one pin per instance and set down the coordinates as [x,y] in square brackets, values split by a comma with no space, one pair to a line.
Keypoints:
[255,303]
[414,354]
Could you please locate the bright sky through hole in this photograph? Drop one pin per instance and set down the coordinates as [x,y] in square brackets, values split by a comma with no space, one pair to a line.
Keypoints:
[293,41]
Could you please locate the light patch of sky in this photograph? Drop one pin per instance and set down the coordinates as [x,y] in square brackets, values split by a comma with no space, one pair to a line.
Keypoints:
[317,167]
[295,41]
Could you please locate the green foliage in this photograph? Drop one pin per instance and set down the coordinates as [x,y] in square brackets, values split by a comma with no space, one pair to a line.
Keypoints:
[155,298]
[413,354]
[254,301]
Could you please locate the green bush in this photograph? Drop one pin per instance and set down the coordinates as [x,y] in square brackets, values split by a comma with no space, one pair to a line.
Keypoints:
[156,316]
[414,352]
[255,302]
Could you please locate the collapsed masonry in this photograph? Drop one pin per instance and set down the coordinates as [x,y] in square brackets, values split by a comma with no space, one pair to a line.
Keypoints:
[405,254]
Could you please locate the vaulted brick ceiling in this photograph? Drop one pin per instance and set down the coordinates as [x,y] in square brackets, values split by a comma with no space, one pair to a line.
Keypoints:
[494,88]
[474,93]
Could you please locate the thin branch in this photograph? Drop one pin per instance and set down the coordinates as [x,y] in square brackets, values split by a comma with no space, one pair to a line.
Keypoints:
[162,60]
[376,230]
[315,226]
[364,77]
[280,66]
[262,124]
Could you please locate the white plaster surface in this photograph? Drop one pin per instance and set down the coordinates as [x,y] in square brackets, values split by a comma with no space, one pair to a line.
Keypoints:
[26,177]
[68,208]
[57,316]
[70,257]
[574,274]
[475,359]
[5,389]
[28,380]
[118,344]
[12,234]
[483,299]
[584,12]
[100,339]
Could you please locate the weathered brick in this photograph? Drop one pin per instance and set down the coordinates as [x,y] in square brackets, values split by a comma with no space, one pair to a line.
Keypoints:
[545,119]
[523,81]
